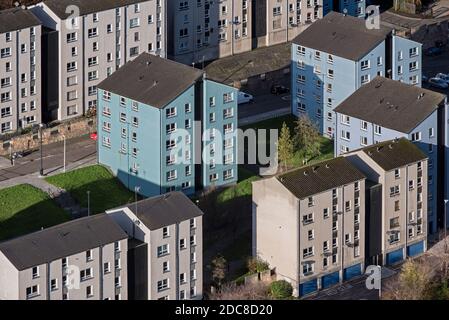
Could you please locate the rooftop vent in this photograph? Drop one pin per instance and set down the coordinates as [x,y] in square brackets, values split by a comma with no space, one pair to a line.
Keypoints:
[379,148]
[305,173]
[327,166]
[390,146]
[421,95]
[314,169]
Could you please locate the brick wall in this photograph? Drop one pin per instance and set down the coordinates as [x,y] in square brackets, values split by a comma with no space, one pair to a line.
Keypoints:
[70,129]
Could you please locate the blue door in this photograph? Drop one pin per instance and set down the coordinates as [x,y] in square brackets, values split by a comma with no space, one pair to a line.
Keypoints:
[395,256]
[415,249]
[308,287]
[352,271]
[330,279]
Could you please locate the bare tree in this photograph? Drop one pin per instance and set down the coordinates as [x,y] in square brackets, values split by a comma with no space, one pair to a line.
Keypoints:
[219,269]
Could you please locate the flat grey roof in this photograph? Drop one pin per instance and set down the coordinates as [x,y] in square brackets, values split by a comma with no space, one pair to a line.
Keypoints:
[165,210]
[391,104]
[307,181]
[151,80]
[342,35]
[61,241]
[86,6]
[16,19]
[394,154]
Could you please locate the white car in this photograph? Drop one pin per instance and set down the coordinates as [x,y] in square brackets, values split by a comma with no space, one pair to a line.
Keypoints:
[444,77]
[438,83]
[244,98]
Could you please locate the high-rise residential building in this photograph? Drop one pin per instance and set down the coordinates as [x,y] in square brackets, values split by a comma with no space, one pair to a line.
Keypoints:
[84,259]
[203,30]
[308,224]
[170,267]
[337,55]
[279,21]
[385,109]
[163,126]
[20,69]
[92,40]
[396,200]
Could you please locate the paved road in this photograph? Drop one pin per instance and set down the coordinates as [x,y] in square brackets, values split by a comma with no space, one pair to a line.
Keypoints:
[78,149]
[263,104]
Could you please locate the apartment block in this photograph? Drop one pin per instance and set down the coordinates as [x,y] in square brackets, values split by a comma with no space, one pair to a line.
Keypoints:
[279,21]
[309,223]
[84,259]
[355,8]
[20,69]
[385,109]
[203,30]
[337,55]
[91,41]
[171,266]
[396,200]
[163,126]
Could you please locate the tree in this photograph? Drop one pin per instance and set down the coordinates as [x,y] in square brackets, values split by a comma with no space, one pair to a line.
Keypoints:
[285,146]
[307,137]
[413,282]
[256,265]
[218,269]
[281,289]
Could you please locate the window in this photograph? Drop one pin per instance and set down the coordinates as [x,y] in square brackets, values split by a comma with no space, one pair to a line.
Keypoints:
[71,66]
[377,129]
[394,222]
[193,240]
[162,285]
[397,173]
[307,218]
[35,272]
[71,37]
[89,256]
[106,267]
[170,112]
[212,101]
[394,191]
[192,223]
[165,232]
[86,274]
[310,234]
[165,266]
[32,291]
[134,22]
[394,237]
[326,213]
[134,51]
[118,283]
[365,64]
[182,278]
[162,250]
[228,97]
[182,244]
[325,246]
[363,141]
[307,252]
[170,128]
[92,61]
[431,133]
[89,291]
[228,174]
[92,32]
[171,175]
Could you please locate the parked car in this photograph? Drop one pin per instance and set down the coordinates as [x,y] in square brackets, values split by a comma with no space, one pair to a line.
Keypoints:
[443,76]
[278,89]
[438,83]
[94,136]
[244,98]
[433,51]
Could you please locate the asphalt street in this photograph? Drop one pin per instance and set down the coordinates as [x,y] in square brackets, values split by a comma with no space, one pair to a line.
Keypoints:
[77,149]
[263,104]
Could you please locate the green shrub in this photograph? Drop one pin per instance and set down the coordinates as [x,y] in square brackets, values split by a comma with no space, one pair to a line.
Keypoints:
[256,265]
[281,289]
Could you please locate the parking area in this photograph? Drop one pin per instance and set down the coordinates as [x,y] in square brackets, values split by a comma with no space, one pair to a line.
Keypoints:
[434,65]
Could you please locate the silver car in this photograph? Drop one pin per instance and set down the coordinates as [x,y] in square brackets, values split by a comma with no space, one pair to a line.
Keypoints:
[438,83]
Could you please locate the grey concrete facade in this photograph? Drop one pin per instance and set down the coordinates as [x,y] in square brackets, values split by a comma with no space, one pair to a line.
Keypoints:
[303,248]
[207,30]
[20,72]
[175,273]
[95,44]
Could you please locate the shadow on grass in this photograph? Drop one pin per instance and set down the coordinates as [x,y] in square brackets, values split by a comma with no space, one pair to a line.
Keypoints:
[40,215]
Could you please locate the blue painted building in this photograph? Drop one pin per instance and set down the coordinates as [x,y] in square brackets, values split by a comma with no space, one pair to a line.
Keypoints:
[155,119]
[337,55]
[385,109]
[355,8]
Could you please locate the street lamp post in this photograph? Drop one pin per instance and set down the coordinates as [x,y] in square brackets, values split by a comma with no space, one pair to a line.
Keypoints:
[445,225]
[41,171]
[88,203]
[64,152]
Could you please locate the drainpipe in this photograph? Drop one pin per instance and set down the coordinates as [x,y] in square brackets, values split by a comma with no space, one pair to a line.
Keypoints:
[342,241]
[406,209]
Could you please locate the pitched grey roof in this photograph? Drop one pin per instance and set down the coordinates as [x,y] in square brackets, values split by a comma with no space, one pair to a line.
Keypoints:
[165,210]
[16,19]
[151,80]
[326,175]
[61,241]
[394,154]
[343,36]
[86,6]
[391,104]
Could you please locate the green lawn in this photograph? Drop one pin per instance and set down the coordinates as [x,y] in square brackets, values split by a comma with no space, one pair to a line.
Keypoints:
[241,189]
[326,149]
[106,191]
[24,209]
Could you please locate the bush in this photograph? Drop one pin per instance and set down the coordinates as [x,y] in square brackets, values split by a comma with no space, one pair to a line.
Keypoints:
[256,265]
[281,289]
